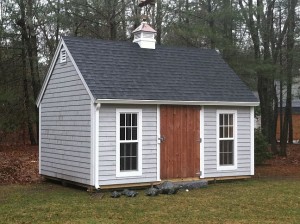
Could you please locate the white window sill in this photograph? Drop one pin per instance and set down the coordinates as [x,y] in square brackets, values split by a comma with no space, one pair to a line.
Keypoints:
[128,173]
[226,168]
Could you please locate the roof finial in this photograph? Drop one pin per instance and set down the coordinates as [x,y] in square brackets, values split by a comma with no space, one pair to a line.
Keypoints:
[144,19]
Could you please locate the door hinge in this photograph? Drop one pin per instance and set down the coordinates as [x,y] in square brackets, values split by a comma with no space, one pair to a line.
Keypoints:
[199,173]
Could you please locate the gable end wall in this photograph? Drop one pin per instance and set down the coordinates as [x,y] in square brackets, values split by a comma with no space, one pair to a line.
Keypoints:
[65,126]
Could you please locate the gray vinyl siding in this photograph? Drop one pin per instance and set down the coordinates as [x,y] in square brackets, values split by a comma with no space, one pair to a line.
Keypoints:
[65,126]
[243,142]
[107,145]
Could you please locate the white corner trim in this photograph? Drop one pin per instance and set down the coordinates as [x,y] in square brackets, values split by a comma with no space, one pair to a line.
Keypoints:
[158,143]
[202,143]
[252,139]
[235,159]
[92,159]
[40,138]
[96,146]
[61,45]
[139,172]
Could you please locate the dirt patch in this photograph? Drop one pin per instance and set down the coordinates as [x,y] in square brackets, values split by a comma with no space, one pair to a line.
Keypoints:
[279,166]
[18,164]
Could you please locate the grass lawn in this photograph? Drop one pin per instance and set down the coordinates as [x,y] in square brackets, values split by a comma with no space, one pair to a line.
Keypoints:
[251,201]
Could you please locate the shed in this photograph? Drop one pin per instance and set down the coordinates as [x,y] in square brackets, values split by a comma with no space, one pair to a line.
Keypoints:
[114,113]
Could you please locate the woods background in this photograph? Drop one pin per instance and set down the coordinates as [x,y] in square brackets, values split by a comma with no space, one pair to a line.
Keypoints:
[258,38]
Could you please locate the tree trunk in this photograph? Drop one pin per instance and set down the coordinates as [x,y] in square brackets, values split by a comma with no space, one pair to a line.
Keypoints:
[123,21]
[158,21]
[57,11]
[27,40]
[265,78]
[227,28]
[26,99]
[187,6]
[112,5]
[288,126]
[211,24]
[31,41]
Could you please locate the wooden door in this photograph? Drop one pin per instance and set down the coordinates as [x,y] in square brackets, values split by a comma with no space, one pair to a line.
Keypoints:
[180,147]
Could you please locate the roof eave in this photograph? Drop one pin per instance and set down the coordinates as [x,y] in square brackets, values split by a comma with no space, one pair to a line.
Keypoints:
[175,102]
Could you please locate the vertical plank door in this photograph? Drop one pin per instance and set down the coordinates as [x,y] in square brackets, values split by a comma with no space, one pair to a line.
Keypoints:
[180,147]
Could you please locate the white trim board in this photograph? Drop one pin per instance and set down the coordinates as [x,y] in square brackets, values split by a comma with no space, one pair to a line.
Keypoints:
[96,145]
[93,142]
[40,139]
[252,139]
[53,63]
[202,142]
[158,143]
[174,102]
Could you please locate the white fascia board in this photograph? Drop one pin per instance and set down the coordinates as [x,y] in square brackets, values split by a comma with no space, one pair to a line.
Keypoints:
[56,55]
[174,102]
[50,70]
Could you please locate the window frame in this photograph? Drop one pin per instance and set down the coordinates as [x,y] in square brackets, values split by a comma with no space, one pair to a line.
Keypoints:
[128,173]
[234,138]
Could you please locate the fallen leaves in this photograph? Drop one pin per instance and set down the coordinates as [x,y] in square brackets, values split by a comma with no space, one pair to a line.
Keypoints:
[281,167]
[18,164]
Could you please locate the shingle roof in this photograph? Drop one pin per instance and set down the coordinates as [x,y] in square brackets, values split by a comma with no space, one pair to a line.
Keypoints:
[123,70]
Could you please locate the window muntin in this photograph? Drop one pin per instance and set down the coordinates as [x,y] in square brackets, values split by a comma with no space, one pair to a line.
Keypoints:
[129,142]
[226,140]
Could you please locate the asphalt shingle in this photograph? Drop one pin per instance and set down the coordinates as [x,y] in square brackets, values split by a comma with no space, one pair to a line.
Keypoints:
[123,70]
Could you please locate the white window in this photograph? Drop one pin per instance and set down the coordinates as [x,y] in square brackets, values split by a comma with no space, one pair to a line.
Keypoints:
[226,140]
[129,142]
[63,56]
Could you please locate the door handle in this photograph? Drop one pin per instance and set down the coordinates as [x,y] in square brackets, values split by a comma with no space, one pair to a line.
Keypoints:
[162,138]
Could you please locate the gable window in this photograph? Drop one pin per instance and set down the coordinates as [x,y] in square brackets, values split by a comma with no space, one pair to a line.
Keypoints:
[129,142]
[226,140]
[63,56]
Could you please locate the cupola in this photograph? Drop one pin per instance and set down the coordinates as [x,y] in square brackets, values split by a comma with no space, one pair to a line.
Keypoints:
[144,35]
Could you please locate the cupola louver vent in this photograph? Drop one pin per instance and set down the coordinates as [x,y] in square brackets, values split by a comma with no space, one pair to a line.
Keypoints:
[63,56]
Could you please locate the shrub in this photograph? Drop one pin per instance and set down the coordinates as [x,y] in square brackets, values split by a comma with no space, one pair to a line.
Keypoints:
[261,147]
